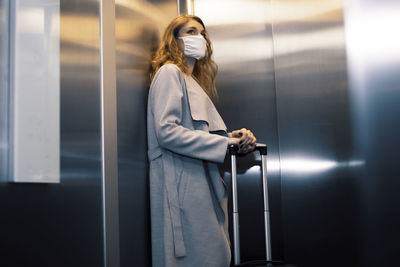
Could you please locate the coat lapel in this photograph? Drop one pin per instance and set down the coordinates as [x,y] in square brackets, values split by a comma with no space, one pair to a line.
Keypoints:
[201,106]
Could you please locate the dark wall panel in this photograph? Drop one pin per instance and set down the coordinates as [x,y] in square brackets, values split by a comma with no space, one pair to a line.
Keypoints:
[4,57]
[139,25]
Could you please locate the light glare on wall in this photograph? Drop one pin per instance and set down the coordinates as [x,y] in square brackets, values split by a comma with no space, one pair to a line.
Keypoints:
[34,91]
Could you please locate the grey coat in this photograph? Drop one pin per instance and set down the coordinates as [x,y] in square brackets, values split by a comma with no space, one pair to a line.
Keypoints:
[189,223]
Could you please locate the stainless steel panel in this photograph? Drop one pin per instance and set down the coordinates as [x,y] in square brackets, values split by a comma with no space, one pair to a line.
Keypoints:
[109,134]
[4,52]
[61,224]
[374,72]
[319,186]
[241,33]
[139,25]
[186,7]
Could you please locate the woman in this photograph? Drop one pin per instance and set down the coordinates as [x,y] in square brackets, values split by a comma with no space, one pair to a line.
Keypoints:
[186,139]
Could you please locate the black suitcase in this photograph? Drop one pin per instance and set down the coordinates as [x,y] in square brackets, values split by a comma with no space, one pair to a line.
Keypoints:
[262,148]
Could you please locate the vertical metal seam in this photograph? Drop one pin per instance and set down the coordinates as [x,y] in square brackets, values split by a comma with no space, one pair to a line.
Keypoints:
[190,7]
[102,133]
[110,225]
[276,94]
[277,115]
[10,87]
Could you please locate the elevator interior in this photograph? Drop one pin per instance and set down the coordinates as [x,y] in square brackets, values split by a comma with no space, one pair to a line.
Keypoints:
[318,81]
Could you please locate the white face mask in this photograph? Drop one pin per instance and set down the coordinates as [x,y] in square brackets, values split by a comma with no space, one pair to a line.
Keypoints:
[195,46]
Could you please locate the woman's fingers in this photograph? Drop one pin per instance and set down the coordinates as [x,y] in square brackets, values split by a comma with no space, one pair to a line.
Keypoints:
[246,140]
[244,135]
[237,134]
[247,137]
[246,149]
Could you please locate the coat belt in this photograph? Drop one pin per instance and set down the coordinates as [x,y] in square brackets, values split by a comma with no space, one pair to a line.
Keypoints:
[171,187]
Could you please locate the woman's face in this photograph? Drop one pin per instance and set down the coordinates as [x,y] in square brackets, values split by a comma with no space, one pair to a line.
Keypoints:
[191,28]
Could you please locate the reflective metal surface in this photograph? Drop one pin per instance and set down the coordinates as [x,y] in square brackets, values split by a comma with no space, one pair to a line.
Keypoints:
[241,33]
[139,25]
[373,52]
[34,91]
[267,220]
[333,169]
[186,7]
[319,187]
[109,142]
[61,224]
[235,210]
[4,52]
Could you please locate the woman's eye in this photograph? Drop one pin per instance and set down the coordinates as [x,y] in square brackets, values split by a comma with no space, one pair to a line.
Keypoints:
[190,31]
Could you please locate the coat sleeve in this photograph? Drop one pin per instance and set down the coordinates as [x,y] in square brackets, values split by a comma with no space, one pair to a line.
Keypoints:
[166,100]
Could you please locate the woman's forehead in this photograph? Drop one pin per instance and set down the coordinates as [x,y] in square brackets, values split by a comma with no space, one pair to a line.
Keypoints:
[193,24]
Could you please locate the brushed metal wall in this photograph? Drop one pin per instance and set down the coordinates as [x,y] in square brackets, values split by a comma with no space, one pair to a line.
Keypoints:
[139,25]
[337,130]
[241,34]
[319,188]
[374,71]
[332,132]
[4,57]
[61,224]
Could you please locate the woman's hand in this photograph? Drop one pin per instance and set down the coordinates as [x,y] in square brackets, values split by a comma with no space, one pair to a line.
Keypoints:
[233,141]
[245,140]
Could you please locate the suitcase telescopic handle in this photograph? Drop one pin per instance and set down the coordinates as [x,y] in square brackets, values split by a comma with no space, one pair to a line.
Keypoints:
[262,148]
[233,151]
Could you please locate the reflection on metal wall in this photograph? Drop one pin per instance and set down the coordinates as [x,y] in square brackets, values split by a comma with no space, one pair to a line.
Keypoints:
[34,91]
[241,34]
[319,193]
[4,52]
[139,25]
[373,46]
[61,224]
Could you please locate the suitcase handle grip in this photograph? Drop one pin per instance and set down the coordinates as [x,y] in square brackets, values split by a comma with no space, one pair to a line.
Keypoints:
[262,148]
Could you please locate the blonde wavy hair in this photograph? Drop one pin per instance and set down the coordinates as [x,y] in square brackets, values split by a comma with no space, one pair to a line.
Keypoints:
[205,70]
